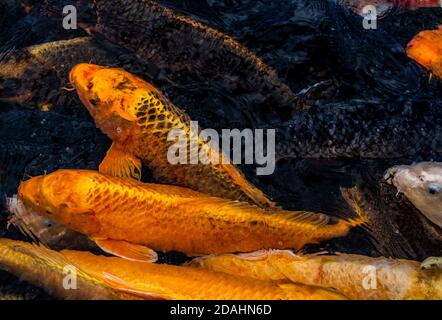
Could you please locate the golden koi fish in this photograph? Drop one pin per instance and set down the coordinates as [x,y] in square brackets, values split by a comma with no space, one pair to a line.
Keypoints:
[47,269]
[124,216]
[355,276]
[138,119]
[100,277]
[426,49]
[27,74]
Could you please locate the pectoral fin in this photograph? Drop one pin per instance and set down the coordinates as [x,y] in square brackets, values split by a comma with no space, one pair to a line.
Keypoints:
[127,250]
[119,163]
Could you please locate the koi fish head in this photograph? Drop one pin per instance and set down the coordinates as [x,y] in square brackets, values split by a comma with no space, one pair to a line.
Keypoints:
[422,185]
[61,197]
[426,49]
[111,95]
[17,81]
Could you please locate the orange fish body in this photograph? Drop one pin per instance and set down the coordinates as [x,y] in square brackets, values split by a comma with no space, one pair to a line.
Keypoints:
[138,119]
[355,276]
[176,282]
[48,269]
[426,49]
[117,212]
[109,278]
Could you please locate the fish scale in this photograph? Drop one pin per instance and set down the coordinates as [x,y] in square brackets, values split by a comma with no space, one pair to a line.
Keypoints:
[179,44]
[395,279]
[406,127]
[48,272]
[100,277]
[139,120]
[172,282]
[169,218]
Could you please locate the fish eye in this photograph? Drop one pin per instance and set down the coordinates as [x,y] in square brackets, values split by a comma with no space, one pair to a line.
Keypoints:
[93,102]
[433,189]
[90,85]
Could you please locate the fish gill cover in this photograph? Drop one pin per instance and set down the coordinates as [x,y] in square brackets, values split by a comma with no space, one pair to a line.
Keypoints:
[370,107]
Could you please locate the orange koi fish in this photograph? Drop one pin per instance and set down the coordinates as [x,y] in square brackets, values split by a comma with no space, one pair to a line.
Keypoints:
[355,276]
[126,217]
[138,119]
[48,269]
[100,277]
[426,49]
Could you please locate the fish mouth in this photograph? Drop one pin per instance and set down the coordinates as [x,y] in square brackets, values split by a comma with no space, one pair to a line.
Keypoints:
[80,78]
[402,178]
[82,74]
[29,192]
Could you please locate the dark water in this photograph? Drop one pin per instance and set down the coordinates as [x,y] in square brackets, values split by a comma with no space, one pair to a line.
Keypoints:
[317,47]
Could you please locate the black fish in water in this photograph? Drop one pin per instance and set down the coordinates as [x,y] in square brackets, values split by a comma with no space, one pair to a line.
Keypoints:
[397,227]
[319,42]
[364,130]
[179,45]
[38,76]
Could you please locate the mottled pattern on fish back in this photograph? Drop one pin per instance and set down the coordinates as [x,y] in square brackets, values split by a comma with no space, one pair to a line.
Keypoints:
[67,53]
[375,130]
[156,117]
[179,44]
[42,71]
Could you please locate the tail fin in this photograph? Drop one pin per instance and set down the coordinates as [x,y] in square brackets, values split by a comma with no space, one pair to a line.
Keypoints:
[354,198]
[372,216]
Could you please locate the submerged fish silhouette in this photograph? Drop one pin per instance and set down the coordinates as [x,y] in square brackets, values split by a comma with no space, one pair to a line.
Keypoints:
[180,45]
